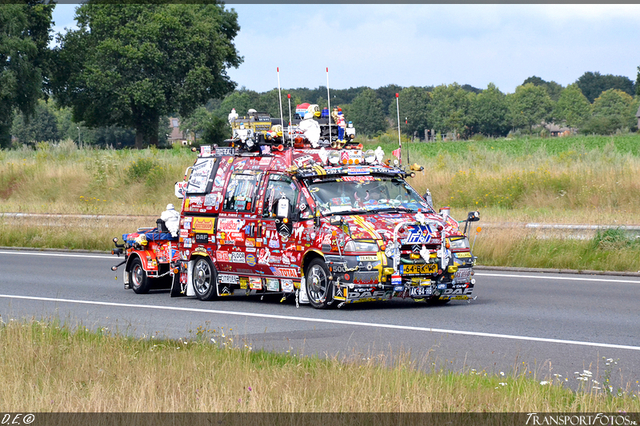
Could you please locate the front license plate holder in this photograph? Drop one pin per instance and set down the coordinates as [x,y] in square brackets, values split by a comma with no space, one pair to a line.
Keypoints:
[423,269]
[420,291]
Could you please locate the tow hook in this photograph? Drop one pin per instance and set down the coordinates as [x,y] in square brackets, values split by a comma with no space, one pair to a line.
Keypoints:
[340,305]
[115,267]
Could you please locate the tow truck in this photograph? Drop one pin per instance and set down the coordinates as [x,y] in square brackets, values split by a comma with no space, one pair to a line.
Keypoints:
[327,223]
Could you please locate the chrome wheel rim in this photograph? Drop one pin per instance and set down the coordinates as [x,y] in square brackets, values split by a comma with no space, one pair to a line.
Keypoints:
[317,285]
[137,275]
[202,276]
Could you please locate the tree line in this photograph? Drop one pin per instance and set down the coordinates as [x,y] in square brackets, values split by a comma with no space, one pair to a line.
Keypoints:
[128,67]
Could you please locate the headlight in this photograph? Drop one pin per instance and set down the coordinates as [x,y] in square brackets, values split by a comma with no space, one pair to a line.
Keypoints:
[360,246]
[460,243]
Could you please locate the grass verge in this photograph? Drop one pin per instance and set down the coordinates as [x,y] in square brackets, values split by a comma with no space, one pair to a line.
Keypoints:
[48,367]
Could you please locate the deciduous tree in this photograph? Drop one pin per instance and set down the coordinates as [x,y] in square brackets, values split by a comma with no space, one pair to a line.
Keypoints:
[366,113]
[449,108]
[593,84]
[414,102]
[24,63]
[529,105]
[572,107]
[131,64]
[490,112]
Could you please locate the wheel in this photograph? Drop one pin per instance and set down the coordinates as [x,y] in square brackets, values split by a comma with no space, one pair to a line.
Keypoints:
[319,287]
[138,277]
[204,279]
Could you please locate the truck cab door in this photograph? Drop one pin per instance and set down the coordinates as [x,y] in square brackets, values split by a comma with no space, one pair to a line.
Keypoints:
[276,256]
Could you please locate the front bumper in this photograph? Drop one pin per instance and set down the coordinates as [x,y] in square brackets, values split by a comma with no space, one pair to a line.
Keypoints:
[368,278]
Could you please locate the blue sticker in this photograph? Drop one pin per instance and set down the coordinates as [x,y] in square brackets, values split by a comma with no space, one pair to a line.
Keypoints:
[251,260]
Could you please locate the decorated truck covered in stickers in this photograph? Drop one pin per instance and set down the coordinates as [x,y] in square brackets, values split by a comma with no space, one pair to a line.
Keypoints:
[325,226]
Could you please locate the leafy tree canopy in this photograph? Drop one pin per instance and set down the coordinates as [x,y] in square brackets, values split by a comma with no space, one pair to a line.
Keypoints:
[553,89]
[131,64]
[414,104]
[366,110]
[24,60]
[593,84]
[490,112]
[572,106]
[530,105]
[449,108]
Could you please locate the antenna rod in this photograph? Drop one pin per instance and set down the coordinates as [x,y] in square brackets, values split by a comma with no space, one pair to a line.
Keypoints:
[289,128]
[399,139]
[329,105]
[280,98]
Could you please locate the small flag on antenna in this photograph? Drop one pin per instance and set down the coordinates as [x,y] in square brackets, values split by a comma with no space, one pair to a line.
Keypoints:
[397,95]
[396,152]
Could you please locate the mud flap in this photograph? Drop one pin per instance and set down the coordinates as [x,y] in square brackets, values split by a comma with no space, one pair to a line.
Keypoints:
[125,279]
[176,289]
[190,290]
[303,298]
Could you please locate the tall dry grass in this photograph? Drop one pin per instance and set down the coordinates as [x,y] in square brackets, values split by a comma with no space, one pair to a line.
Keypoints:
[65,179]
[48,367]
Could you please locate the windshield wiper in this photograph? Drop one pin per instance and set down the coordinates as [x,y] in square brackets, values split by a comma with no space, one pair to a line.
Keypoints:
[399,208]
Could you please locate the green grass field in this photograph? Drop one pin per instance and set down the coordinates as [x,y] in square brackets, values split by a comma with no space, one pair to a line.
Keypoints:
[48,367]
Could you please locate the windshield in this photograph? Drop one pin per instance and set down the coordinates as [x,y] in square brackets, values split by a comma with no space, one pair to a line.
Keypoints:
[358,194]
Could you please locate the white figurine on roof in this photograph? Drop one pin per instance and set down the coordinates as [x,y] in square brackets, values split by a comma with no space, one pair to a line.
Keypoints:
[232,115]
[311,129]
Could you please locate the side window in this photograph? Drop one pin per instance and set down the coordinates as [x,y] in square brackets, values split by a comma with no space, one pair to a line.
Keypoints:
[279,186]
[241,192]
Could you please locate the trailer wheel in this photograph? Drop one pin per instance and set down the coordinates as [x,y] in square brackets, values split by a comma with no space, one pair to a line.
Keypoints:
[319,287]
[205,279]
[138,278]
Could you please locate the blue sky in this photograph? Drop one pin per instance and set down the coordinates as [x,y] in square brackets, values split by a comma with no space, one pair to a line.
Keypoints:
[427,44]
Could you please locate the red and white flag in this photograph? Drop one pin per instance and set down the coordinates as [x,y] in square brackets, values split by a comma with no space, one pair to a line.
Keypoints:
[396,152]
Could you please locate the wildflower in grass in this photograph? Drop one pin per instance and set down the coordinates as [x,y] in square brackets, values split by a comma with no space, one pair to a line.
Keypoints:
[249,389]
[502,373]
[544,383]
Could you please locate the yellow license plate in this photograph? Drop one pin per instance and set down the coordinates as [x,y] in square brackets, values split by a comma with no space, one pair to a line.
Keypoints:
[420,269]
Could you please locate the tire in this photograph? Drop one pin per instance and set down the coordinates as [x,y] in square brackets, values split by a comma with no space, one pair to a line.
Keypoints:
[204,279]
[138,279]
[319,287]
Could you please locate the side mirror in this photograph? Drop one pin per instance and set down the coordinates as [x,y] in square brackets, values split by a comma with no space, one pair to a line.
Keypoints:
[282,210]
[427,198]
[283,224]
[471,217]
[180,189]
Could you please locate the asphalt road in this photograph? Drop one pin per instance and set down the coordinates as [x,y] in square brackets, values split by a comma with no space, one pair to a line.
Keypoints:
[544,323]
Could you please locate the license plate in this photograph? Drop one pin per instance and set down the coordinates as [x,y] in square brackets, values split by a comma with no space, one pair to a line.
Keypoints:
[429,268]
[463,273]
[420,291]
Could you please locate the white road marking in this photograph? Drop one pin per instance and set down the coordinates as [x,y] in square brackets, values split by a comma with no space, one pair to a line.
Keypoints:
[546,277]
[40,253]
[328,321]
